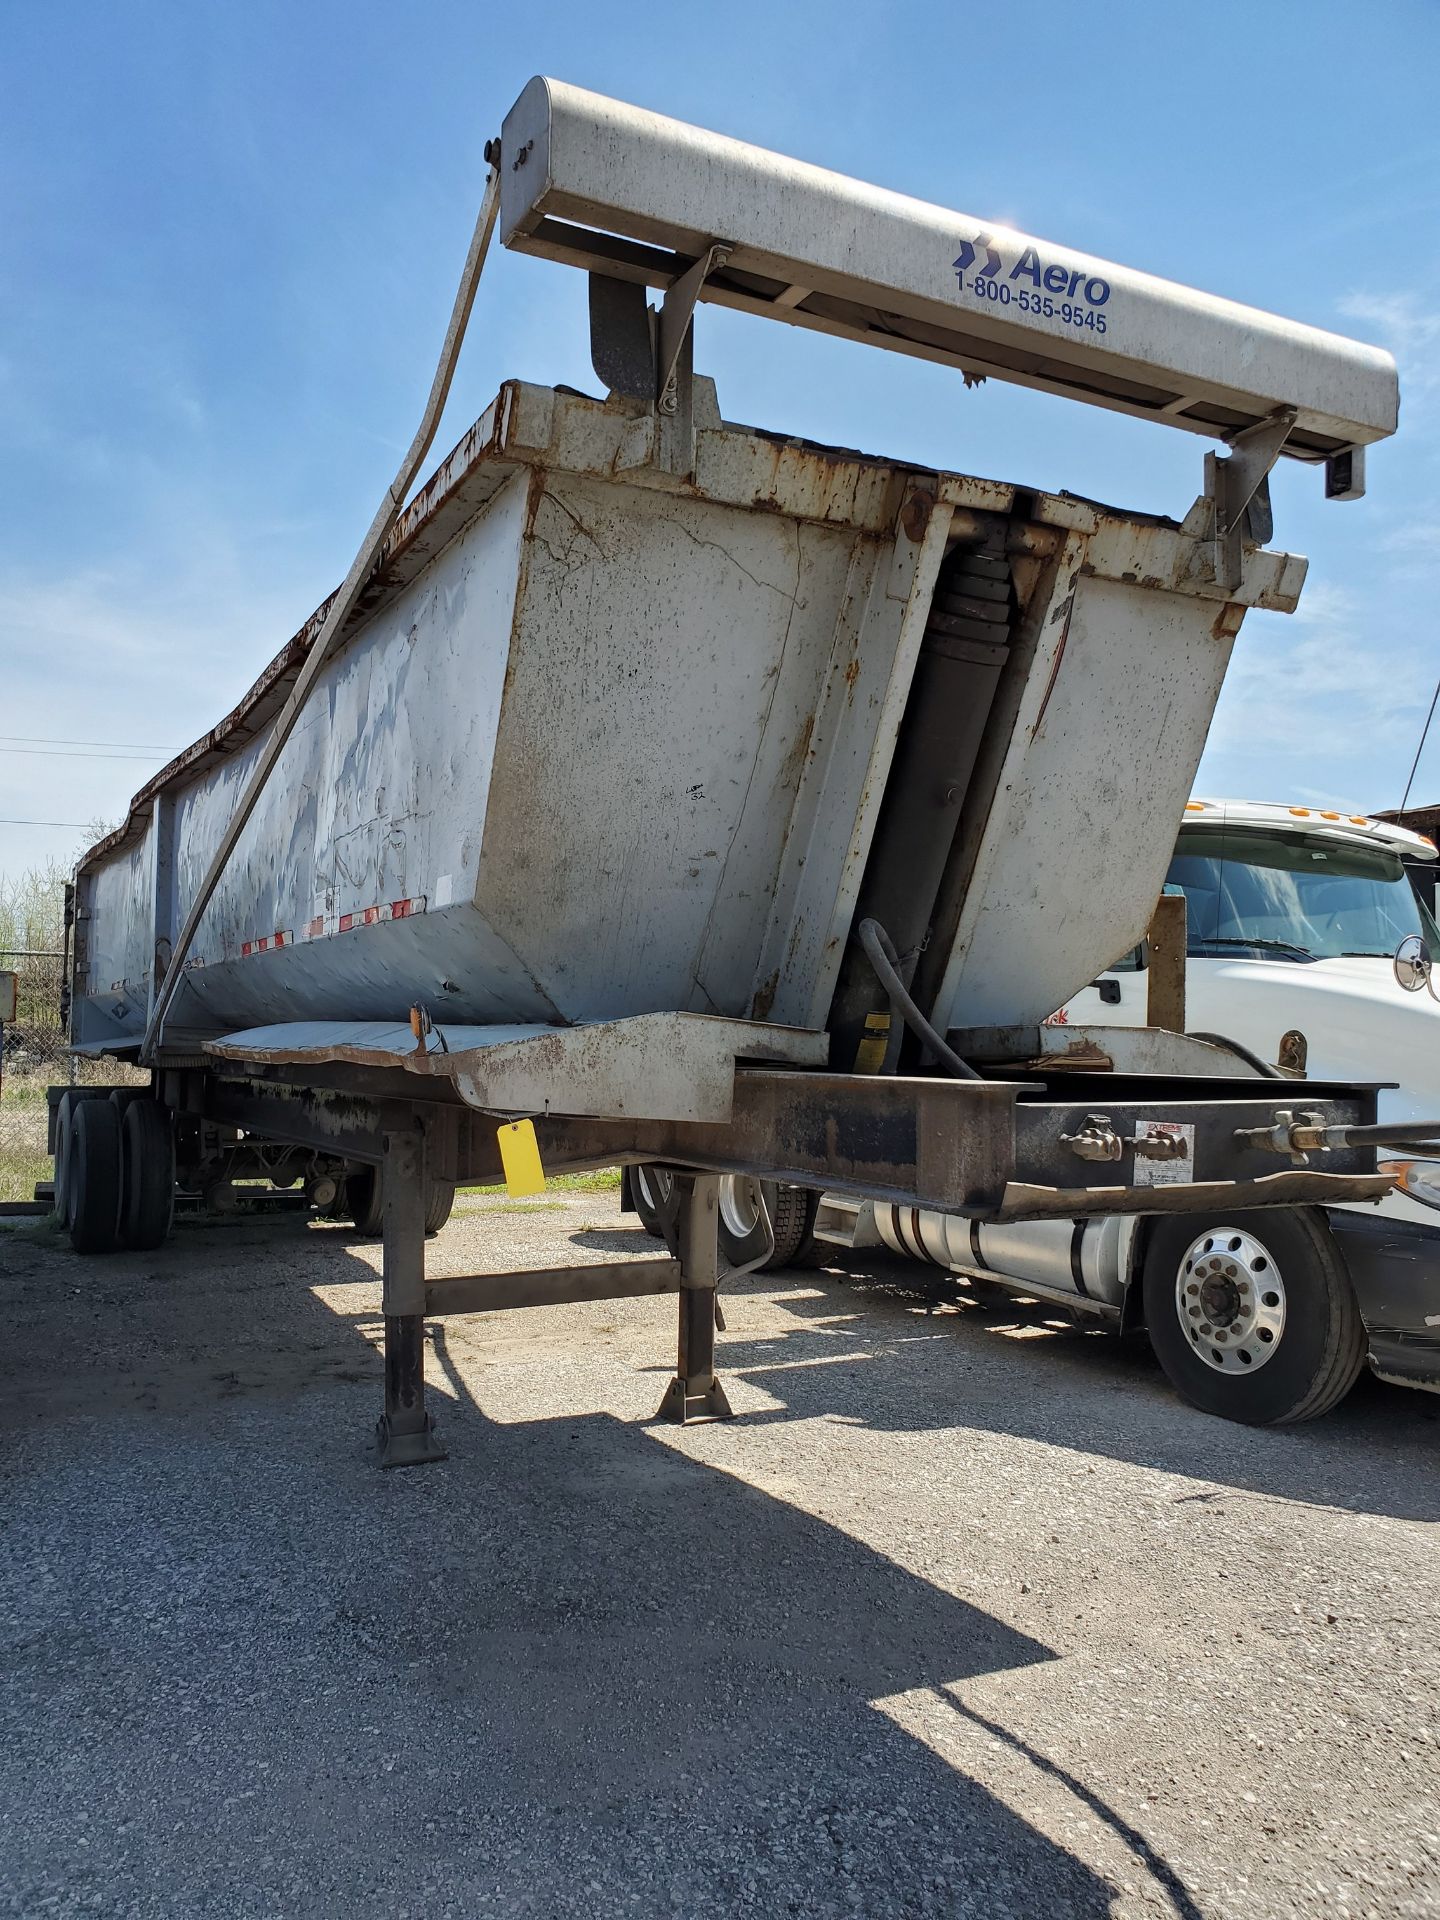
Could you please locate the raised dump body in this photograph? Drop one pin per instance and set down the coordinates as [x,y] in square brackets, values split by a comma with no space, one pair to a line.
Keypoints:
[604,740]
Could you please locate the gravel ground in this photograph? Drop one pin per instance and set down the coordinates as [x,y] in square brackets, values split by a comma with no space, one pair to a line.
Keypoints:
[964,1614]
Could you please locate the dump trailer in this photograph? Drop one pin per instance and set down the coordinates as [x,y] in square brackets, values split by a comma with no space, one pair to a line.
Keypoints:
[661,791]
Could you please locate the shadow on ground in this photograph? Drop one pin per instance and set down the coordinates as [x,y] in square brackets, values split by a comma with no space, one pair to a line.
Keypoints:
[570,1671]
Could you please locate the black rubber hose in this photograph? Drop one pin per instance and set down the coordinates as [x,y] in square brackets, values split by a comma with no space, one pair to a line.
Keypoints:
[1413,1133]
[1262,1067]
[879,950]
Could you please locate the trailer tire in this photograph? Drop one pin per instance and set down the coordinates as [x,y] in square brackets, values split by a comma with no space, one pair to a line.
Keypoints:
[64,1158]
[1253,1316]
[147,1175]
[742,1230]
[439,1202]
[93,1192]
[360,1203]
[649,1191]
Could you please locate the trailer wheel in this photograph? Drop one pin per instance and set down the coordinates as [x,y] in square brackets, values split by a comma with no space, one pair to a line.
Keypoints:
[1253,1316]
[147,1175]
[650,1189]
[742,1229]
[438,1204]
[360,1202]
[93,1189]
[64,1157]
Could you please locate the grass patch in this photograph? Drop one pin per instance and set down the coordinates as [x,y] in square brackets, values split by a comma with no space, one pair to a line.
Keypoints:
[24,1158]
[603,1180]
[495,1199]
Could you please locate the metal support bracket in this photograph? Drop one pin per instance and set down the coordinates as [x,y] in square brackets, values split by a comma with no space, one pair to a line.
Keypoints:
[1237,485]
[405,1432]
[676,313]
[695,1394]
[674,362]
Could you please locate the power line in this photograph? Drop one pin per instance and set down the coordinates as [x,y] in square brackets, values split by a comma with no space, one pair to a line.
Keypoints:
[44,740]
[81,753]
[80,826]
[1424,734]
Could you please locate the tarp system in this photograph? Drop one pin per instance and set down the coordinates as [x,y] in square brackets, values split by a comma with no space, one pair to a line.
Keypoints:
[634,195]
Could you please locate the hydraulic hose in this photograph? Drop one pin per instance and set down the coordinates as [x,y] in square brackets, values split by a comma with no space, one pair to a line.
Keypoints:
[879,950]
[1262,1067]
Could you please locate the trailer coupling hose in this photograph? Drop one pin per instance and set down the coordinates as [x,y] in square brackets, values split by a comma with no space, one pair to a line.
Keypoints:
[1299,1133]
[341,606]
[879,950]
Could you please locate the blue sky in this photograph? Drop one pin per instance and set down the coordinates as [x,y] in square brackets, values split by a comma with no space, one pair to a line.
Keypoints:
[231,236]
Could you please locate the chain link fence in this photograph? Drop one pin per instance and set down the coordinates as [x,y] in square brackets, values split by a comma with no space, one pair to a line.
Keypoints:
[32,1058]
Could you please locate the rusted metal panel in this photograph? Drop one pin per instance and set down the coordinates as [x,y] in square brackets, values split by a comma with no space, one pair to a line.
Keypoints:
[661,1066]
[552,1286]
[606,740]
[1108,733]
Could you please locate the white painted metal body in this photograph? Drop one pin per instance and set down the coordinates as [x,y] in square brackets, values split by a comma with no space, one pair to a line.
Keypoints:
[604,740]
[617,748]
[597,183]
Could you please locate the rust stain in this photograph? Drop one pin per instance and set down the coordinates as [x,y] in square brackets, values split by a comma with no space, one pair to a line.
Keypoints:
[793,764]
[764,998]
[1079,1056]
[915,515]
[1055,667]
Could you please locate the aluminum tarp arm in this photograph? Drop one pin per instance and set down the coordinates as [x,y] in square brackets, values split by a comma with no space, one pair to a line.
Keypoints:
[340,607]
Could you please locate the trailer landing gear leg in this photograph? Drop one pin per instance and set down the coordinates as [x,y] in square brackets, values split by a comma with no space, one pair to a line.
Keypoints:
[405,1434]
[695,1394]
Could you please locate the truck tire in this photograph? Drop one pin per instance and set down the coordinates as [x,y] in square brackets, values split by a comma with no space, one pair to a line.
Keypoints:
[1252,1315]
[93,1188]
[147,1175]
[742,1229]
[650,1189]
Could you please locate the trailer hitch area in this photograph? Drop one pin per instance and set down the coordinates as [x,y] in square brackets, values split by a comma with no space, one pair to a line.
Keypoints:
[1098,1140]
[1294,1134]
[1299,1133]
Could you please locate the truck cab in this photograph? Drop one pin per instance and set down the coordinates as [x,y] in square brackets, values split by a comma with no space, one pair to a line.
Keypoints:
[1293,915]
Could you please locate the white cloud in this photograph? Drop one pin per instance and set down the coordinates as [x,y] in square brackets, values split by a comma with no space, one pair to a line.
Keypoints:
[122,654]
[1409,325]
[1324,697]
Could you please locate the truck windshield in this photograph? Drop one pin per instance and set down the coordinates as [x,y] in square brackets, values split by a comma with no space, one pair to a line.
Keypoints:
[1294,896]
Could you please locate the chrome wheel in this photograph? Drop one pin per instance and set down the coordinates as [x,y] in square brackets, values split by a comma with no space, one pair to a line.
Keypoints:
[654,1185]
[1230,1299]
[741,1208]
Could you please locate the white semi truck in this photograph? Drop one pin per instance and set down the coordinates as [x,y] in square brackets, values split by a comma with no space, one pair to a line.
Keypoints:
[657,790]
[1294,916]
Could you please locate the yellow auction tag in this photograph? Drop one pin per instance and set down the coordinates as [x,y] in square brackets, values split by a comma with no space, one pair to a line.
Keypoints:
[520,1157]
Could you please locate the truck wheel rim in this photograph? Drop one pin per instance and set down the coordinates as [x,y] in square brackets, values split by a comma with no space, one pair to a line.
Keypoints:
[740,1204]
[654,1184]
[1230,1299]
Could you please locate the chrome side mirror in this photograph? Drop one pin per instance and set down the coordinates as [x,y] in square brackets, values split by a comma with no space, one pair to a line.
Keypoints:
[1412,964]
